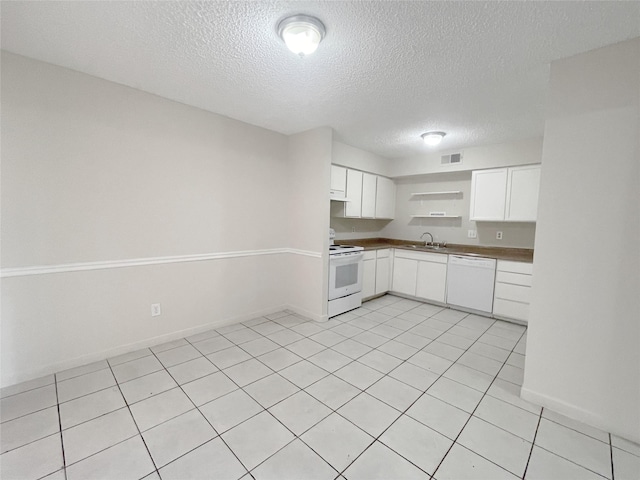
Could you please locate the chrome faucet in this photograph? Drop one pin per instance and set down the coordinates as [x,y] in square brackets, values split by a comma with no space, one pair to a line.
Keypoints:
[427,233]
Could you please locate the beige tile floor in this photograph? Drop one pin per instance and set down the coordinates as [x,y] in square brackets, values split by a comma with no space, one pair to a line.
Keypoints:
[396,389]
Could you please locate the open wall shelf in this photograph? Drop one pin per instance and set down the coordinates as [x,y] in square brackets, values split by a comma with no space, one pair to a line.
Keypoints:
[450,192]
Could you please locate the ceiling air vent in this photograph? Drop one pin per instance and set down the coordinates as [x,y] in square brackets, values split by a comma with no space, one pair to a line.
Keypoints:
[453,159]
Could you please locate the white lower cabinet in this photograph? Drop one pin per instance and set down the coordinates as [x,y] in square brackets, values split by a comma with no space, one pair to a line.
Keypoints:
[375,272]
[420,274]
[383,270]
[432,280]
[424,275]
[369,274]
[405,274]
[512,294]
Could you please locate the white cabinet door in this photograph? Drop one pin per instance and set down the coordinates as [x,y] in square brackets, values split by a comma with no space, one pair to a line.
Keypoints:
[385,198]
[382,272]
[488,194]
[369,182]
[338,180]
[353,208]
[368,278]
[404,275]
[432,281]
[522,193]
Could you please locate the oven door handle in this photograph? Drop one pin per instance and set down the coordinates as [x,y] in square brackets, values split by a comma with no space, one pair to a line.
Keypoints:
[346,259]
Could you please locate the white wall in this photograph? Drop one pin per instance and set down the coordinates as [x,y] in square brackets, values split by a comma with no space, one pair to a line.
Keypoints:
[425,173]
[309,182]
[522,152]
[359,159]
[95,174]
[583,358]
[350,228]
[450,230]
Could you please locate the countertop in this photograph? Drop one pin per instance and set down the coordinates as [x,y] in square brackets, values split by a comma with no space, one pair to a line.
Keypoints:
[499,253]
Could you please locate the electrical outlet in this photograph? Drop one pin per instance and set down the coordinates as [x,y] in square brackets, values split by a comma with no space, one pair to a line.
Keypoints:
[498,235]
[155,310]
[472,234]
[353,229]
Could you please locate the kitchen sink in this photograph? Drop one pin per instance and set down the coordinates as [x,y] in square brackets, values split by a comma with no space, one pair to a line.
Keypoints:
[426,247]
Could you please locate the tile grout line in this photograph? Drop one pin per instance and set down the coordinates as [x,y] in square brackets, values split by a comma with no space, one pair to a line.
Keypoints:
[195,408]
[470,416]
[264,409]
[406,409]
[325,348]
[134,422]
[297,437]
[361,391]
[64,460]
[533,444]
[613,473]
[242,388]
[425,392]
[28,390]
[218,435]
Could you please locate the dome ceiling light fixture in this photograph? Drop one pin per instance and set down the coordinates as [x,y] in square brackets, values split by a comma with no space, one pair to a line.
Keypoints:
[301,33]
[432,138]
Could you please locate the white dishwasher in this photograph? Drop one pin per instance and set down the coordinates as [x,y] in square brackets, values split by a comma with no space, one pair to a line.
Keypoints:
[470,282]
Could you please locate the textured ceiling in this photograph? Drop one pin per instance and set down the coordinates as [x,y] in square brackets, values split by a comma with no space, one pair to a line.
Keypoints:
[386,72]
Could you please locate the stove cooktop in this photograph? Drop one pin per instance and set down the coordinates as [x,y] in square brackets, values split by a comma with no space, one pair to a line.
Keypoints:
[336,249]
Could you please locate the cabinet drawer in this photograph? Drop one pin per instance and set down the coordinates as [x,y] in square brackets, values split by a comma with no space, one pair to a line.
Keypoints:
[516,293]
[514,278]
[422,256]
[509,309]
[515,267]
[369,255]
[384,253]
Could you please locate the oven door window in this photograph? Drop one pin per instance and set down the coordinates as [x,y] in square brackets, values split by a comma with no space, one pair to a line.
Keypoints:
[346,275]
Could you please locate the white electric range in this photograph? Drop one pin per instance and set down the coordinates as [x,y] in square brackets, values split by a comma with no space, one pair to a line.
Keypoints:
[345,277]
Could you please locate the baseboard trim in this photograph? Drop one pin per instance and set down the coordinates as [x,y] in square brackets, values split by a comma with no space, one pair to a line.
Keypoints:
[58,367]
[306,313]
[137,262]
[576,413]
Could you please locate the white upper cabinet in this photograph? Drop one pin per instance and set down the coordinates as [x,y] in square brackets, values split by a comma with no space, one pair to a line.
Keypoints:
[505,194]
[369,183]
[523,184]
[338,181]
[353,208]
[385,198]
[488,194]
[365,195]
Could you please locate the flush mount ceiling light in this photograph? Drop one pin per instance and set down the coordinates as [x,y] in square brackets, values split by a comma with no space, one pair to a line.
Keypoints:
[301,33]
[433,138]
